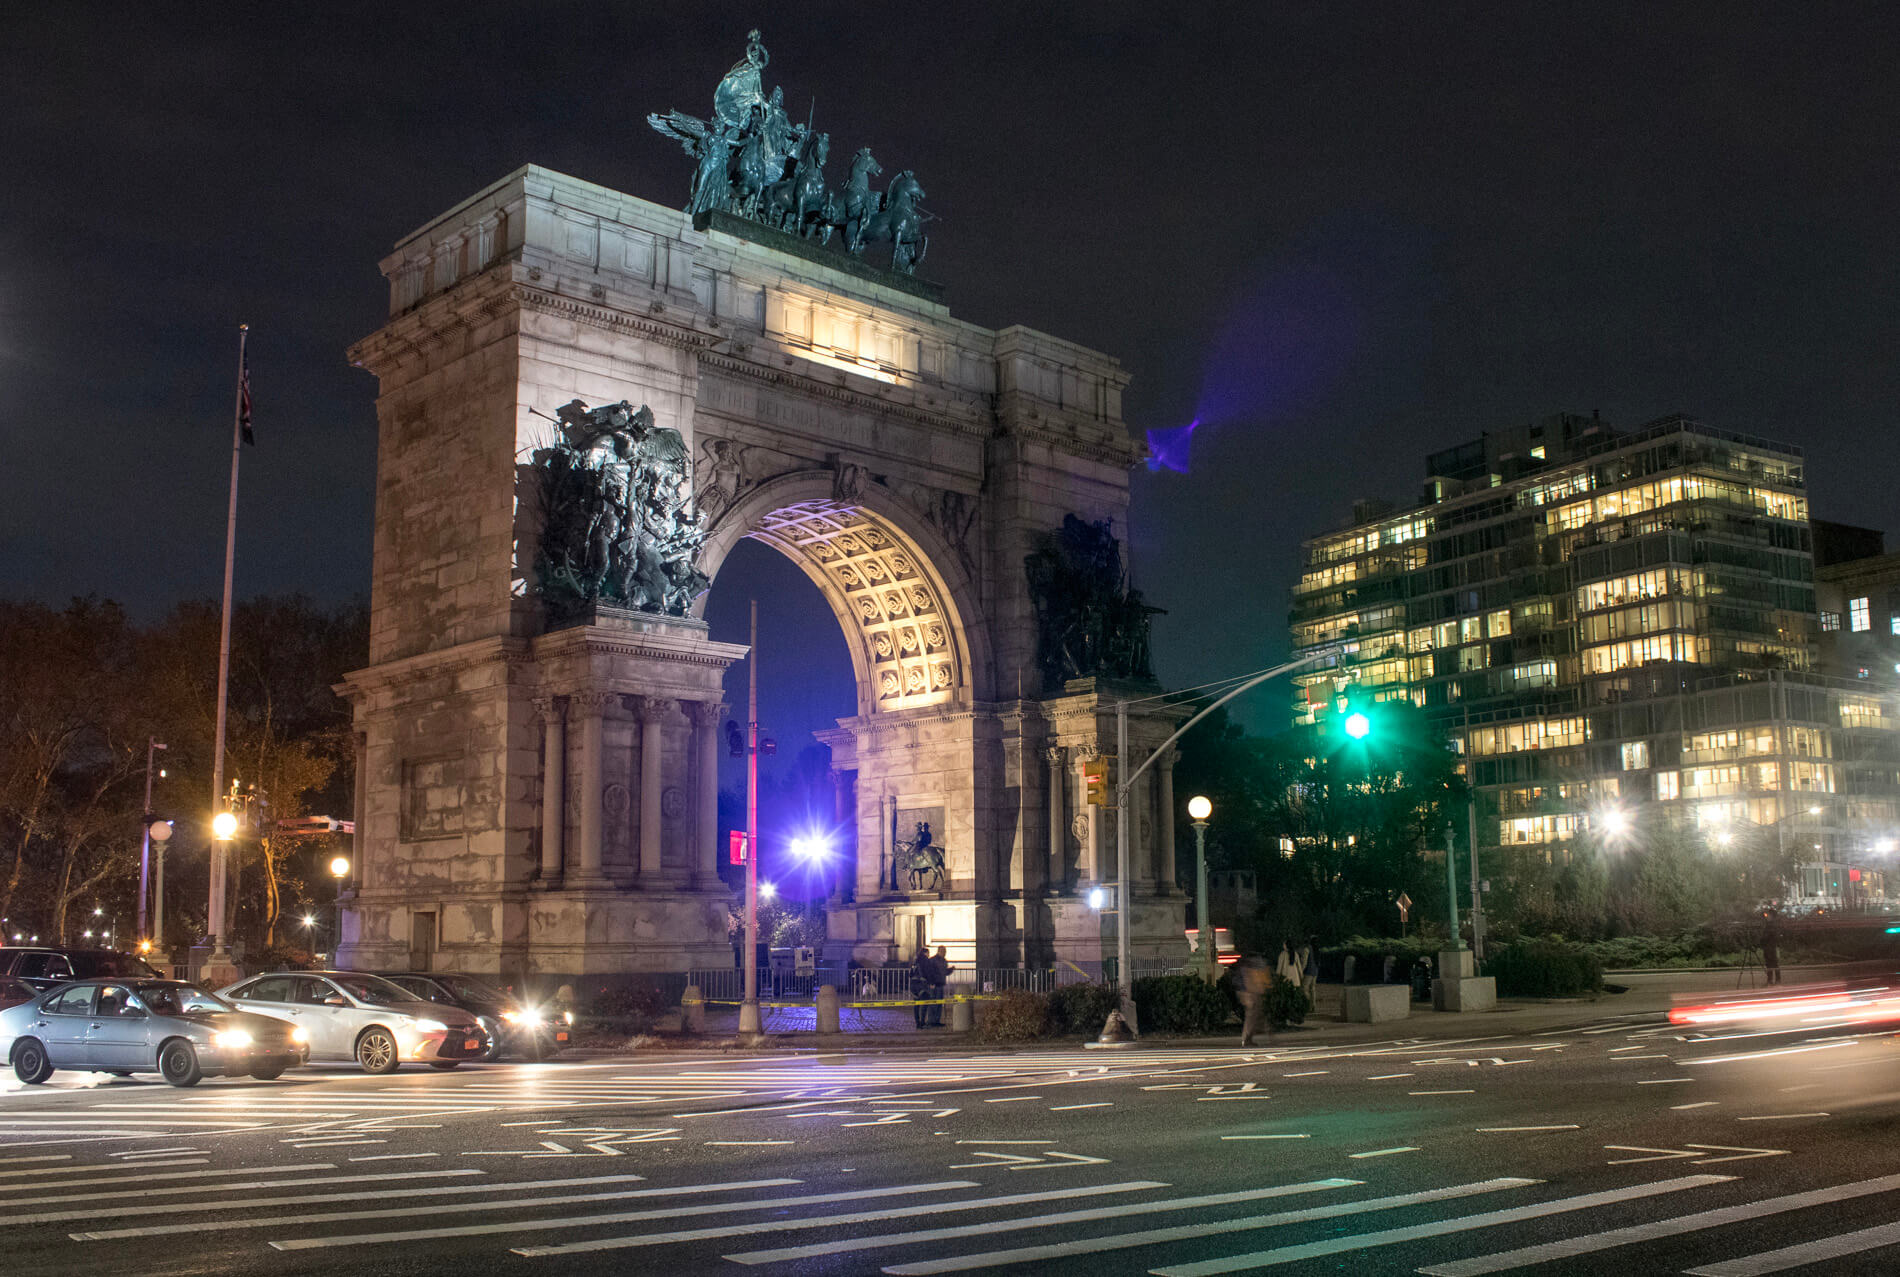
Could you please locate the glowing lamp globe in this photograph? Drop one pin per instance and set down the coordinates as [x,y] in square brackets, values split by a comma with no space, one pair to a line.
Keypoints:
[1358,726]
[1199,808]
[340,867]
[224,826]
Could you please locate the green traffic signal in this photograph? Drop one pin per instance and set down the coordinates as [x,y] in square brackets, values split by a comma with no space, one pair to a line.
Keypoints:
[1358,726]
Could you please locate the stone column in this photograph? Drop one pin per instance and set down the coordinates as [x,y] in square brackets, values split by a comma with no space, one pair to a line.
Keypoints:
[706,717]
[1058,816]
[843,818]
[553,786]
[653,711]
[593,708]
[1166,764]
[1093,852]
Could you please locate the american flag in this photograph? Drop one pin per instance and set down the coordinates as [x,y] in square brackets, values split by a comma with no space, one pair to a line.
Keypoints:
[244,399]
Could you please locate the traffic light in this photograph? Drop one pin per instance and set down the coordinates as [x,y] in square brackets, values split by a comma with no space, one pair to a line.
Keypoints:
[1095,780]
[738,846]
[1358,726]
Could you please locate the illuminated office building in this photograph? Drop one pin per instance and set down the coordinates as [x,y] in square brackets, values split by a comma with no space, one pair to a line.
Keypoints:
[1611,617]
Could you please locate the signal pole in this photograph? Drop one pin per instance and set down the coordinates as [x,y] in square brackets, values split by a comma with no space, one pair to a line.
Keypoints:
[145,846]
[749,1021]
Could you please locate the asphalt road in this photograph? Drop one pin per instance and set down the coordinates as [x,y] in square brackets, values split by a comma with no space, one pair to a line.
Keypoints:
[1622,1142]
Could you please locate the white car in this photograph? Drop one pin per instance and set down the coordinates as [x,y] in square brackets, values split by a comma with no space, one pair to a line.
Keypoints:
[352,1016]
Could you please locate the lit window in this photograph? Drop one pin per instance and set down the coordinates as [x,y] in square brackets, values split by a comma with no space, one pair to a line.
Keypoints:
[1830,621]
[1538,452]
[1857,617]
[1895,620]
[1635,755]
[1667,785]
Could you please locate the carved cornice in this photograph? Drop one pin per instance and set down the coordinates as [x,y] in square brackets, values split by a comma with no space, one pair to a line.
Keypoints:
[429,664]
[601,315]
[600,703]
[705,713]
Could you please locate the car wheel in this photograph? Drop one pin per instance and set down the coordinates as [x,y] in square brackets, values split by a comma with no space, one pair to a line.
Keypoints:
[30,1063]
[445,1064]
[376,1052]
[268,1072]
[178,1063]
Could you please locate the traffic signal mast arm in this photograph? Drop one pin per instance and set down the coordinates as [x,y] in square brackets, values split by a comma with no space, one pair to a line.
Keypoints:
[1126,781]
[1127,777]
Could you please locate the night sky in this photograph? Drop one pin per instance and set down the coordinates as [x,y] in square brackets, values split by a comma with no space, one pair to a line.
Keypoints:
[1338,236]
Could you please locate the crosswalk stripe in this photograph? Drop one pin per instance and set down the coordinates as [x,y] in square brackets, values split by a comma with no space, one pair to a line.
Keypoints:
[1814,1252]
[176,1208]
[1593,1242]
[144,1181]
[1117,1211]
[85,1168]
[436,1208]
[1436,1228]
[1190,1232]
[585,1221]
[828,1221]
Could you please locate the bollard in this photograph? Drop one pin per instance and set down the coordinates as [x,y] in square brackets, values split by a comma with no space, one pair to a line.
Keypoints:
[962,1015]
[827,1008]
[694,1004]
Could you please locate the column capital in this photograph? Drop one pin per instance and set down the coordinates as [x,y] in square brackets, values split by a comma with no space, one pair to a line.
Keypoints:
[651,708]
[1056,756]
[594,702]
[705,713]
[550,709]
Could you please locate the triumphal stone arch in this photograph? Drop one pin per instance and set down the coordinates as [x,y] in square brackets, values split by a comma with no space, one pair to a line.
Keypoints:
[586,400]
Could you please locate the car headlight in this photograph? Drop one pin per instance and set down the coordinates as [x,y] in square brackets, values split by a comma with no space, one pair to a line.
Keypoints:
[429,1026]
[527,1018]
[300,1035]
[568,1016]
[231,1040]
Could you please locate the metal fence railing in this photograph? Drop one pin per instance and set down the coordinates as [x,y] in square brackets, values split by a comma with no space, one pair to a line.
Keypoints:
[884,984]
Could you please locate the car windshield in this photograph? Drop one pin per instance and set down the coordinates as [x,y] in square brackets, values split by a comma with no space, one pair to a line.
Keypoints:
[374,990]
[179,999]
[471,990]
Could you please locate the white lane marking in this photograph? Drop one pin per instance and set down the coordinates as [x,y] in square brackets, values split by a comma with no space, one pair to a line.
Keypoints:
[1441,1092]
[146,1180]
[827,1221]
[1699,1104]
[391,1157]
[1012,1099]
[1309,1073]
[168,1152]
[1099,1104]
[1769,1055]
[1780,1117]
[1590,1243]
[1265,1137]
[436,1208]
[1117,1211]
[1387,1077]
[1663,1081]
[1436,1228]
[1386,1152]
[177,1208]
[1638,1057]
[1500,1130]
[743,1143]
[84,1168]
[1803,1253]
[1697,1151]
[1190,1232]
[43,1157]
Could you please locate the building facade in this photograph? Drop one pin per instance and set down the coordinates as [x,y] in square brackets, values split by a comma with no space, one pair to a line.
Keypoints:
[1605,620]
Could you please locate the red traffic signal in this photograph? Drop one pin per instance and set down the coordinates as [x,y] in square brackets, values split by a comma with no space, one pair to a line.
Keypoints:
[738,846]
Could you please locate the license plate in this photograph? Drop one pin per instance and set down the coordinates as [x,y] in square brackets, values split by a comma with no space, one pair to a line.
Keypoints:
[472,1044]
[561,1036]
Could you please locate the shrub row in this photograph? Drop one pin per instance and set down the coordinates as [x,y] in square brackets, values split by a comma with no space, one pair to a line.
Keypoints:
[1544,968]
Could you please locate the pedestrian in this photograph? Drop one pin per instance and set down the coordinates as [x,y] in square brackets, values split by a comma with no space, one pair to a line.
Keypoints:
[1252,987]
[921,968]
[1771,947]
[1285,969]
[1309,969]
[940,984]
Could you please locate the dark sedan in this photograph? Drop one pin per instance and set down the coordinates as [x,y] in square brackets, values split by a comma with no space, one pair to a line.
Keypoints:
[166,1027]
[514,1026]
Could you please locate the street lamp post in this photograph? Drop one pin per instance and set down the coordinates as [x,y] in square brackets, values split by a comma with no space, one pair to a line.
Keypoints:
[152,747]
[1451,889]
[749,1021]
[1199,809]
[339,870]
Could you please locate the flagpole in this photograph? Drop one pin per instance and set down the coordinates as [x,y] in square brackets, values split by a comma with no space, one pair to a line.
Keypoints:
[220,870]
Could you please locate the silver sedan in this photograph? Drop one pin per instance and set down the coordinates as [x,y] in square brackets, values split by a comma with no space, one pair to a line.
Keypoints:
[166,1027]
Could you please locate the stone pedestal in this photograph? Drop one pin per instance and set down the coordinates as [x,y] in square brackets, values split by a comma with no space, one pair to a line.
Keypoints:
[1459,988]
[1377,1003]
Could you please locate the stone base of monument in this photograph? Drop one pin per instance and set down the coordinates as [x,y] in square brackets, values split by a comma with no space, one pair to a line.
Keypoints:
[1377,1003]
[1460,988]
